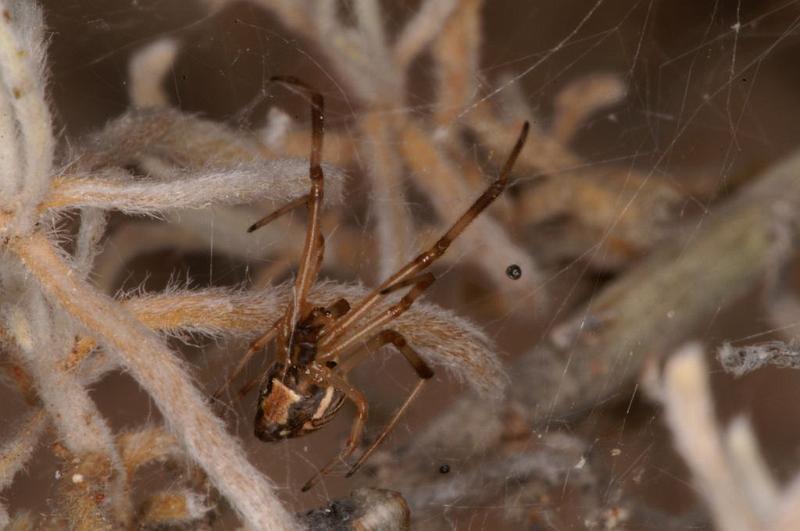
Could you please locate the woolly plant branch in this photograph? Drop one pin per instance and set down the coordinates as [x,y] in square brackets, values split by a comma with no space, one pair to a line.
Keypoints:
[145,445]
[444,339]
[160,374]
[17,450]
[22,65]
[422,29]
[146,71]
[43,343]
[279,180]
[171,136]
[172,508]
[582,98]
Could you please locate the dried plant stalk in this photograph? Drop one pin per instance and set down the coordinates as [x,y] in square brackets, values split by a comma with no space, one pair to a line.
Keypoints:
[457,53]
[751,470]
[340,148]
[394,226]
[421,30]
[542,153]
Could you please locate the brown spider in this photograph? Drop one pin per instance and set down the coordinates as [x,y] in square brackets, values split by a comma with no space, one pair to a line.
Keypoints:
[316,346]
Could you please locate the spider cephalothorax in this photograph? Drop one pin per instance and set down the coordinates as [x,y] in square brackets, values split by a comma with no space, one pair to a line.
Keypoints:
[316,347]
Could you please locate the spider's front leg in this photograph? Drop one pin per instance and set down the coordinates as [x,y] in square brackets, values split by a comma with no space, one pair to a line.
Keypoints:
[258,344]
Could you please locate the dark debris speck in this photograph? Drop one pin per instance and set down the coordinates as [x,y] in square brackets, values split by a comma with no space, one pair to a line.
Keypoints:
[514,272]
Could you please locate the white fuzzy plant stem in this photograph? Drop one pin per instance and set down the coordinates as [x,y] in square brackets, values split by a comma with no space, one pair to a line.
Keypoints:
[279,180]
[17,450]
[159,372]
[44,341]
[690,415]
[26,171]
[25,180]
[147,70]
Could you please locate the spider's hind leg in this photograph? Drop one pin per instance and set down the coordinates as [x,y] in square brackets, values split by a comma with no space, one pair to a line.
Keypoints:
[356,431]
[423,370]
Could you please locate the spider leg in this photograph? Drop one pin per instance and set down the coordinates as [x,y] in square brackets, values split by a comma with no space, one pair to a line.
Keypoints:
[269,218]
[387,430]
[425,259]
[384,337]
[339,308]
[356,431]
[334,311]
[320,255]
[403,283]
[255,346]
[422,283]
[311,248]
[248,386]
[424,372]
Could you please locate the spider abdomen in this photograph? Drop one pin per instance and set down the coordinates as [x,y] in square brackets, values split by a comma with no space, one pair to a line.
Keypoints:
[292,406]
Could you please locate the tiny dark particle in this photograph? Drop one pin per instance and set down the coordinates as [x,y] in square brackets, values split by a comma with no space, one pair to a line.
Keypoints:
[444,469]
[513,272]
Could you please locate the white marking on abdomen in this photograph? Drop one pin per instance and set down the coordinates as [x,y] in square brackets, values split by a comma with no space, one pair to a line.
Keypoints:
[324,403]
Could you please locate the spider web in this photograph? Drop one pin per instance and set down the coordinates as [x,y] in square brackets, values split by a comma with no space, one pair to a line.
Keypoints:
[708,105]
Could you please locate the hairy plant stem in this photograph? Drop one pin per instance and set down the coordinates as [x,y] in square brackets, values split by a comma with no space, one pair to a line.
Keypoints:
[159,372]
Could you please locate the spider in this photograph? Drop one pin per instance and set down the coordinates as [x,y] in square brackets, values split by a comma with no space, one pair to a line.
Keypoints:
[317,346]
